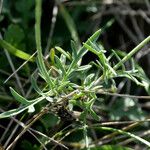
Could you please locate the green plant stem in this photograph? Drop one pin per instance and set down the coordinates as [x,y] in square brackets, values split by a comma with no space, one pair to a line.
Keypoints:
[37,26]
[135,50]
[35,118]
[42,67]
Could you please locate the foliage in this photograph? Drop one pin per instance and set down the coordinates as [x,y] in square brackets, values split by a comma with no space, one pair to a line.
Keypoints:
[71,89]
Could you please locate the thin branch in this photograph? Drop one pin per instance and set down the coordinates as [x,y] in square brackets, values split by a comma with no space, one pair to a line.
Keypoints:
[39,115]
[131,139]
[20,67]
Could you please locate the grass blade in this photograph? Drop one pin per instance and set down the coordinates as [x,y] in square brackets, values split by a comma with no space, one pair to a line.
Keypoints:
[135,50]
[70,24]
[126,133]
[16,52]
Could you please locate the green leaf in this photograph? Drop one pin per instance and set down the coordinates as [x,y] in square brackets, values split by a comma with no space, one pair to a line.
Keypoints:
[88,79]
[35,86]
[91,49]
[28,145]
[63,59]
[44,72]
[132,52]
[60,65]
[17,111]
[129,75]
[74,49]
[118,58]
[24,6]
[94,115]
[31,109]
[15,51]
[125,107]
[76,102]
[63,52]
[13,112]
[83,68]
[111,69]
[82,52]
[18,97]
[52,55]
[70,24]
[40,61]
[49,120]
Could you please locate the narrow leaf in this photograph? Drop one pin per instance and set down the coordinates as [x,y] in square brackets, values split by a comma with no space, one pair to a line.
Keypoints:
[35,86]
[52,55]
[17,111]
[44,72]
[83,51]
[16,52]
[74,49]
[18,97]
[94,115]
[12,112]
[59,65]
[63,52]
[88,47]
[40,60]
[70,24]
[83,68]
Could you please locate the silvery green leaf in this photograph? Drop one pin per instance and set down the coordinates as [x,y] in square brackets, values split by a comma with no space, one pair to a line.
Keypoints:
[88,79]
[31,109]
[18,97]
[83,68]
[111,69]
[44,72]
[83,51]
[97,87]
[91,49]
[63,52]
[60,65]
[49,99]
[17,111]
[63,59]
[35,86]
